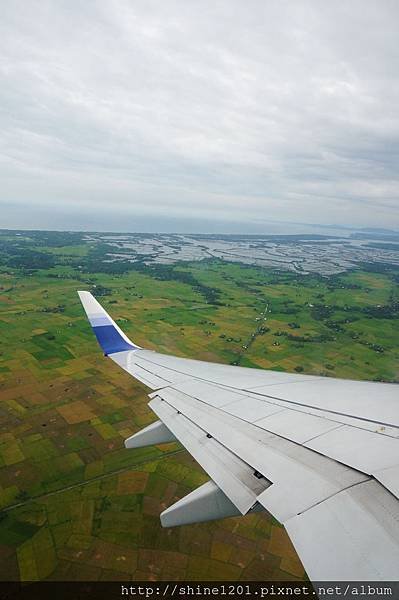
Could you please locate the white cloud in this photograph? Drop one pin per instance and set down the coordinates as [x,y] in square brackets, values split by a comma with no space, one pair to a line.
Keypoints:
[216,110]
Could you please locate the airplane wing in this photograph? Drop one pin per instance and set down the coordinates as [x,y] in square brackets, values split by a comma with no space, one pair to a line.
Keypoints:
[320,454]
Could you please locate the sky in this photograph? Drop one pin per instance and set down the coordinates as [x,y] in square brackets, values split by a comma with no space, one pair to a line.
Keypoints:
[179,115]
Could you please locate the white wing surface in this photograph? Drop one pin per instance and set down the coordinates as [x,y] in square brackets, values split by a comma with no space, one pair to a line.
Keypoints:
[320,454]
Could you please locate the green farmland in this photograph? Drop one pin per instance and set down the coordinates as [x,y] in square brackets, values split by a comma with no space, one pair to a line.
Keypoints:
[74,503]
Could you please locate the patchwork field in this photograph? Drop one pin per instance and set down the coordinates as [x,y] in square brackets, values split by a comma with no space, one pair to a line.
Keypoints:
[75,504]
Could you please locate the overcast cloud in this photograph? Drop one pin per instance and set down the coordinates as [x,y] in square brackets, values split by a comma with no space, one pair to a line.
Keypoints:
[128,114]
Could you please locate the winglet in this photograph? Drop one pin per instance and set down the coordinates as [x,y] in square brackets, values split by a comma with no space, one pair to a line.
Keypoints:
[110,337]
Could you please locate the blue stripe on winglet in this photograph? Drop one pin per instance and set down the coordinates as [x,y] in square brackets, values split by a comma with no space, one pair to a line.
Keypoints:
[100,321]
[111,340]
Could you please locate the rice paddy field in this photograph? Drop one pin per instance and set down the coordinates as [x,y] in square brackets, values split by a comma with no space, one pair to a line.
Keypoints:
[74,503]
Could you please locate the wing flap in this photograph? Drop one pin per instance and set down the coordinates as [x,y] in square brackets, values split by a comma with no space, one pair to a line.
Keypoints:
[289,466]
[363,450]
[232,475]
[352,536]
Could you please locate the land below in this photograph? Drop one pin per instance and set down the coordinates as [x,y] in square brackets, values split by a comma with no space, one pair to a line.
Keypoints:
[74,503]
